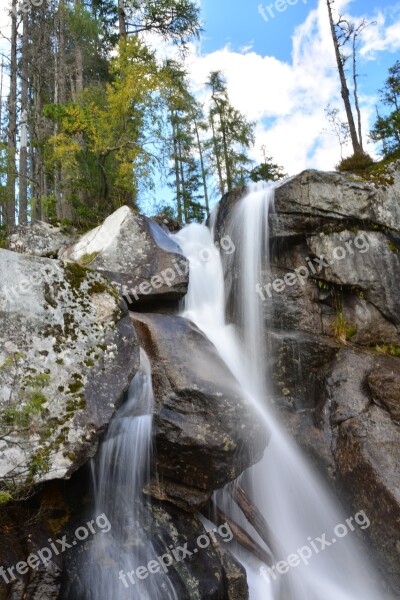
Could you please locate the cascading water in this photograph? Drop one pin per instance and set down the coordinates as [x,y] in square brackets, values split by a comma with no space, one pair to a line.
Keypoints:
[294,502]
[120,472]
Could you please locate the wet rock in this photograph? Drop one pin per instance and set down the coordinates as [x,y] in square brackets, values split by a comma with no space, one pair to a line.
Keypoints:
[138,255]
[384,384]
[366,261]
[39,239]
[205,433]
[368,457]
[67,354]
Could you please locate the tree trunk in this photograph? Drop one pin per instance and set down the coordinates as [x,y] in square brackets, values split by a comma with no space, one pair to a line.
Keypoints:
[121,19]
[177,175]
[78,58]
[344,89]
[12,121]
[23,151]
[356,101]
[217,157]
[203,170]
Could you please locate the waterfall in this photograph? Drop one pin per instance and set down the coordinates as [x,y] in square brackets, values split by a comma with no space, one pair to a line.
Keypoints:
[295,503]
[120,472]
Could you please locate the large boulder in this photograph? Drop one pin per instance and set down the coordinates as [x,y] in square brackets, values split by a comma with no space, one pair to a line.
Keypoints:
[319,200]
[39,239]
[138,255]
[331,325]
[205,432]
[67,354]
[365,261]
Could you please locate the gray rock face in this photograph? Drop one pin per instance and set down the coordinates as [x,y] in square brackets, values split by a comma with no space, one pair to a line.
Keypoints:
[145,264]
[315,199]
[205,432]
[365,261]
[38,239]
[67,353]
[339,398]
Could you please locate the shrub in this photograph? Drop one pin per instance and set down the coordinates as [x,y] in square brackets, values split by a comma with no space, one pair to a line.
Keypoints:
[357,163]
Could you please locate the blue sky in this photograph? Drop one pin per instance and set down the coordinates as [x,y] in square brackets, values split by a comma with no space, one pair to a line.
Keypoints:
[281,72]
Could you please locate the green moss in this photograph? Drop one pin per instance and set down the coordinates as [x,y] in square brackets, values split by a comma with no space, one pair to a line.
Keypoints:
[86,259]
[74,387]
[5,497]
[357,163]
[75,275]
[39,463]
[351,332]
[393,247]
[390,349]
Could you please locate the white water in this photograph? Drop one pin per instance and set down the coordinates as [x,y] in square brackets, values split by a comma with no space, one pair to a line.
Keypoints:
[292,499]
[120,471]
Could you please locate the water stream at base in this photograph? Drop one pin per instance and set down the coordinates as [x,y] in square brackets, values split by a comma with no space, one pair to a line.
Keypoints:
[295,503]
[120,472]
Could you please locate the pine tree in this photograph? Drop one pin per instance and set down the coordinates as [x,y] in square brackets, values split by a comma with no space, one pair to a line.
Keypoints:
[387,128]
[232,136]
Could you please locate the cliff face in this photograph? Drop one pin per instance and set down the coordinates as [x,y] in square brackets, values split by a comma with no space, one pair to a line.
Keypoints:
[332,311]
[332,315]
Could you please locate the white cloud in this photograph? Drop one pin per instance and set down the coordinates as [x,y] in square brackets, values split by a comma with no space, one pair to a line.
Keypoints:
[288,99]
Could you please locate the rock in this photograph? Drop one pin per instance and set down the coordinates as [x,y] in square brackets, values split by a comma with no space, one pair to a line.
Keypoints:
[199,575]
[38,239]
[384,384]
[67,353]
[346,385]
[368,458]
[235,577]
[366,261]
[140,258]
[313,198]
[205,433]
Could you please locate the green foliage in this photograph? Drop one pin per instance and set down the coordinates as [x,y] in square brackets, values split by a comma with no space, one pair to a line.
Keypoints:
[102,136]
[87,259]
[390,349]
[5,497]
[387,128]
[267,170]
[358,163]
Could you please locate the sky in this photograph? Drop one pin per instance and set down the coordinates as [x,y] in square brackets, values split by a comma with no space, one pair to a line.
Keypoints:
[281,71]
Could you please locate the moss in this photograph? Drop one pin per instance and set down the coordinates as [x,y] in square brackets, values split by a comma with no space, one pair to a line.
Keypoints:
[89,363]
[75,275]
[351,332]
[390,349]
[39,463]
[393,247]
[87,259]
[5,497]
[99,287]
[357,163]
[74,387]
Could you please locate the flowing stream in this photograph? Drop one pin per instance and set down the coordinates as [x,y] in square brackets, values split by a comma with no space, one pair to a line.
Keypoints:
[289,494]
[119,474]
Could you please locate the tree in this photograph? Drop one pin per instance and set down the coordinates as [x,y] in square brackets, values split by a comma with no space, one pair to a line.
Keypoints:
[232,136]
[387,128]
[102,138]
[186,153]
[267,170]
[176,20]
[338,128]
[340,61]
[12,122]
